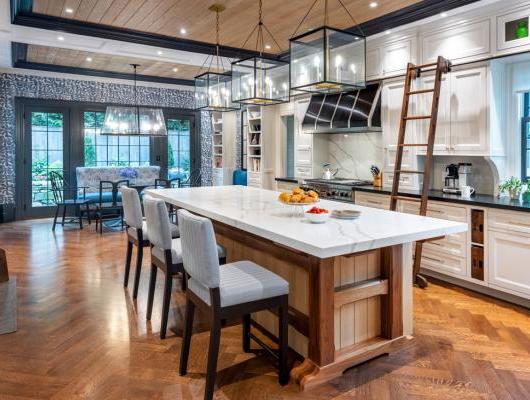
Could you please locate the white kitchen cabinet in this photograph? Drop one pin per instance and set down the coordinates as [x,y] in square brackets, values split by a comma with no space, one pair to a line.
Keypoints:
[469,112]
[395,56]
[507,40]
[442,140]
[303,142]
[374,66]
[461,43]
[441,261]
[508,262]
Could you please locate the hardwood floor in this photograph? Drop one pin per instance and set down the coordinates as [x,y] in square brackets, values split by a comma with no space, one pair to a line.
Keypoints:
[81,336]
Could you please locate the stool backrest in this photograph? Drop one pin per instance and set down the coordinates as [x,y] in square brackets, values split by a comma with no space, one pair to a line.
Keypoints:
[157,221]
[132,208]
[199,248]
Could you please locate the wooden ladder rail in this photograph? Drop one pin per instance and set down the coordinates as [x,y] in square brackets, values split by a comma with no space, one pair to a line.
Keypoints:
[413,72]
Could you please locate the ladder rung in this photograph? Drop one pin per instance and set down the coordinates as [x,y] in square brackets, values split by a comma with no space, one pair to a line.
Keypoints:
[433,64]
[421,91]
[405,171]
[418,117]
[406,198]
[412,144]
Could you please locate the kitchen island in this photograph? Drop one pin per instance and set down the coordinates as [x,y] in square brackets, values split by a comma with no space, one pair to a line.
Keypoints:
[350,296]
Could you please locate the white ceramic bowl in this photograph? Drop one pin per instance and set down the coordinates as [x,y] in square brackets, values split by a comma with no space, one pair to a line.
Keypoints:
[317,218]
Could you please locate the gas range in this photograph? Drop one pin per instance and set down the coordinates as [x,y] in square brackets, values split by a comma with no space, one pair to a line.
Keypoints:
[335,189]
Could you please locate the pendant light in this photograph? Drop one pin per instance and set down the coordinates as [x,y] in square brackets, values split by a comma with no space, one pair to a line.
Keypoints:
[260,80]
[327,60]
[134,121]
[212,89]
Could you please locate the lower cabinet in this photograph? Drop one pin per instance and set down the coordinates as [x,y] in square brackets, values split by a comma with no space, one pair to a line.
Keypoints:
[509,261]
[373,200]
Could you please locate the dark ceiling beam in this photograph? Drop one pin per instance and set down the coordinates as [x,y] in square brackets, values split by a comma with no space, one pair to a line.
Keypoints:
[67,25]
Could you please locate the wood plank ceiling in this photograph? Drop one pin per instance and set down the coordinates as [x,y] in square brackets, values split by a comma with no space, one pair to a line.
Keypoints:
[168,17]
[106,62]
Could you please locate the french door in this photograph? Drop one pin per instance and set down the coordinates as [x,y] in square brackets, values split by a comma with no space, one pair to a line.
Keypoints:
[45,138]
[183,154]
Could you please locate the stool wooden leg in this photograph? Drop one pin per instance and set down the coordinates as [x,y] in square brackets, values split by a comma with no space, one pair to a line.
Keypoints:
[165,306]
[246,333]
[138,272]
[127,263]
[186,340]
[213,354]
[151,294]
[283,336]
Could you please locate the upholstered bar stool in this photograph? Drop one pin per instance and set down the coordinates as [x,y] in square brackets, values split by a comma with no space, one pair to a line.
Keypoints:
[234,290]
[136,234]
[166,254]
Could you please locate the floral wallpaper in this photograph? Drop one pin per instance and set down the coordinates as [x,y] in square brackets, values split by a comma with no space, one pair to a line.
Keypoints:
[15,85]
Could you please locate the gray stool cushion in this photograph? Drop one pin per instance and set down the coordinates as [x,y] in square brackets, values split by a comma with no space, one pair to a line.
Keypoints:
[176,252]
[243,282]
[175,232]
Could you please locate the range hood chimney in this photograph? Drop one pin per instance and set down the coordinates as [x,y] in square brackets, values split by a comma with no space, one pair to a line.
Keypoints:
[350,112]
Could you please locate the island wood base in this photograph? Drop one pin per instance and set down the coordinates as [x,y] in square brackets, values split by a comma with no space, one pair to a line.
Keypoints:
[343,310]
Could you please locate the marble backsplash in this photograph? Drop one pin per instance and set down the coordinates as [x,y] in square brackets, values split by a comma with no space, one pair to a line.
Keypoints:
[355,153]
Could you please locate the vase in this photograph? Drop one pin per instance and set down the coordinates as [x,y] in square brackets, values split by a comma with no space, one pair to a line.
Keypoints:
[515,194]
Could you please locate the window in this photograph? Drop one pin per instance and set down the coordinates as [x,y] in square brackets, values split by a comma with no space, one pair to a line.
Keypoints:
[46,155]
[178,148]
[525,136]
[115,151]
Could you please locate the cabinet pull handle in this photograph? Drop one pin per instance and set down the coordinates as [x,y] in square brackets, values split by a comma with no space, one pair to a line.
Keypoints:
[433,259]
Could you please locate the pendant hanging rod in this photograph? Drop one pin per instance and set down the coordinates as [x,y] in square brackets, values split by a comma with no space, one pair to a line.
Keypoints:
[135,66]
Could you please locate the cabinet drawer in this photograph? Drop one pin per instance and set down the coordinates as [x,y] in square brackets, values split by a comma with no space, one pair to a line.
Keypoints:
[509,221]
[441,262]
[372,200]
[304,155]
[452,245]
[303,172]
[436,210]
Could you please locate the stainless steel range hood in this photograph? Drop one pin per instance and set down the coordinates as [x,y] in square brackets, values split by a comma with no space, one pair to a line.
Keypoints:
[350,112]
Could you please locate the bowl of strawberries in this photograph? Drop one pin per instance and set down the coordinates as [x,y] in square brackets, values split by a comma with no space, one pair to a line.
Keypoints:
[317,215]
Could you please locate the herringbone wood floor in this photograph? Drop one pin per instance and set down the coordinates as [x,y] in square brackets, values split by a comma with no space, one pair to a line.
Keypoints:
[82,337]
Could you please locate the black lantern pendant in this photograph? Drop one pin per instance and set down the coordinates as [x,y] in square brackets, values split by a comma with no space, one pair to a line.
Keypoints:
[327,60]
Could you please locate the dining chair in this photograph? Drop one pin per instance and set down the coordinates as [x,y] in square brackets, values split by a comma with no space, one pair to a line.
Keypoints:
[235,290]
[166,255]
[106,210]
[136,228]
[61,191]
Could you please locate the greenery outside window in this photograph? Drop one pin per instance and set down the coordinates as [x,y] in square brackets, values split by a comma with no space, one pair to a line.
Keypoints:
[113,151]
[525,136]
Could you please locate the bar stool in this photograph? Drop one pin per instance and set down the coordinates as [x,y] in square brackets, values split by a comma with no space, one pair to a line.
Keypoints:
[136,234]
[235,290]
[166,254]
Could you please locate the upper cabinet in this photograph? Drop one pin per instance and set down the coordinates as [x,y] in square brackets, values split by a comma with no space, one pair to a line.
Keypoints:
[461,43]
[390,58]
[513,30]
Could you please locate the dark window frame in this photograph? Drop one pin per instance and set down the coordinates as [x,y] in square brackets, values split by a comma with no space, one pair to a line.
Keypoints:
[525,140]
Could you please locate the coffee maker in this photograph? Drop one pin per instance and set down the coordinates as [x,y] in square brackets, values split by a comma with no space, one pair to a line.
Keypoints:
[464,175]
[451,179]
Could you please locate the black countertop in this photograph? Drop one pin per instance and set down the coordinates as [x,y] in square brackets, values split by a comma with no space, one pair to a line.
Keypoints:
[483,200]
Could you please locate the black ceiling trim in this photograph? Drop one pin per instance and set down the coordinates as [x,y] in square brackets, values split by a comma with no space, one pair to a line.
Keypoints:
[99,73]
[415,12]
[18,6]
[53,23]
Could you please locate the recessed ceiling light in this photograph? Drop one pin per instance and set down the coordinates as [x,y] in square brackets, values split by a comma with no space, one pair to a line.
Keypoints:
[183,31]
[61,38]
[68,10]
[159,52]
[175,69]
[443,15]
[268,46]
[373,4]
[388,31]
[89,59]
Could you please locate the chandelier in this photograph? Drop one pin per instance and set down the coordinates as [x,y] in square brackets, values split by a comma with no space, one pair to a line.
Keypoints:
[212,89]
[260,80]
[135,120]
[327,60]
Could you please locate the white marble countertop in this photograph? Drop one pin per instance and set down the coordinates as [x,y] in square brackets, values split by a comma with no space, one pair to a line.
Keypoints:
[258,211]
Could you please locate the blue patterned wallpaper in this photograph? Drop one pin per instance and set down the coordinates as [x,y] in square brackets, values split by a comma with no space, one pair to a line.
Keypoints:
[14,85]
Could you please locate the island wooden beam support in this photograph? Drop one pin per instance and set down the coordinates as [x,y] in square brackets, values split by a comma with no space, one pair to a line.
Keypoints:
[321,303]
[392,302]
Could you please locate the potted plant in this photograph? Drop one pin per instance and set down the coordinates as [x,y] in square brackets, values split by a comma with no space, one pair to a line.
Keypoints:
[526,193]
[513,187]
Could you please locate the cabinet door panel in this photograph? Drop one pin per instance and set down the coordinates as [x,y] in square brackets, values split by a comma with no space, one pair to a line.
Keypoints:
[373,62]
[442,140]
[469,111]
[508,261]
[444,263]
[396,56]
[391,105]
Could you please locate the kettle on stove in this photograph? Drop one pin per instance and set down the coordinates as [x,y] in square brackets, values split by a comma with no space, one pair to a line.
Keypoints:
[328,173]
